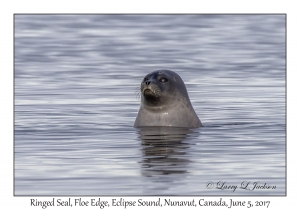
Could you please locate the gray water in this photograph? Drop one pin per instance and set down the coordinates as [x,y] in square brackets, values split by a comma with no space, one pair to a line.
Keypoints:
[76,99]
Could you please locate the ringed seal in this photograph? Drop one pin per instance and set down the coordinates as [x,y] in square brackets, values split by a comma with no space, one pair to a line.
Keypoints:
[165,102]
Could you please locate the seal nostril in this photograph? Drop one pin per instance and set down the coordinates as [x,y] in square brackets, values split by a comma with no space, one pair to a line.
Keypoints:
[147,82]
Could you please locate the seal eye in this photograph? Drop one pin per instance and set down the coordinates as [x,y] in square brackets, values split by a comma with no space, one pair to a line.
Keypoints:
[144,80]
[163,80]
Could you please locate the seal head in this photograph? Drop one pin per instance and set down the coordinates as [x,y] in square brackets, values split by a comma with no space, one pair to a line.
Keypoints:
[165,102]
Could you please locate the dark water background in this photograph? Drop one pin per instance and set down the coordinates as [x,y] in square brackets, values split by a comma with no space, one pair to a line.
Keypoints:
[76,81]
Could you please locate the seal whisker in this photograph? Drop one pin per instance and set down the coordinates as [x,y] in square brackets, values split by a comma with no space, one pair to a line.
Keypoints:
[137,93]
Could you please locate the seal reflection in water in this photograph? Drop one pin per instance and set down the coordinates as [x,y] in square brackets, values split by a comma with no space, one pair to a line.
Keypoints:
[165,102]
[165,151]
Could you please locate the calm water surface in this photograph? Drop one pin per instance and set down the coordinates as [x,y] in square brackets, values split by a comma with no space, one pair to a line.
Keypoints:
[76,99]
